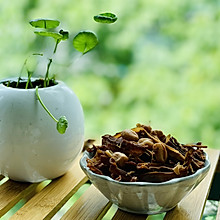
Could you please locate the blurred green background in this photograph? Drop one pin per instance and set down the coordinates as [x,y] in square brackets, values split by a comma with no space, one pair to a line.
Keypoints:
[159,64]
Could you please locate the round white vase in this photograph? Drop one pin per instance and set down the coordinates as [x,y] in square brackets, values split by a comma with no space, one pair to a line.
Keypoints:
[31,149]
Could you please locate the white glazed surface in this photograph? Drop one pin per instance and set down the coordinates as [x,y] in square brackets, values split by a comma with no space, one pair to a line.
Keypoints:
[145,197]
[31,149]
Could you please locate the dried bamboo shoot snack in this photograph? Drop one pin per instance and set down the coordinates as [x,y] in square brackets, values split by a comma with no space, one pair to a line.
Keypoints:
[142,154]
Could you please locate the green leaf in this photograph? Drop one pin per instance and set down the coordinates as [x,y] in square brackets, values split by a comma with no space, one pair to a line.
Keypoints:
[62,125]
[85,41]
[65,34]
[55,35]
[106,18]
[31,62]
[44,23]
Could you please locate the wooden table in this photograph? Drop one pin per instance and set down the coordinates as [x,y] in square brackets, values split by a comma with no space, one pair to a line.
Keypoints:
[44,200]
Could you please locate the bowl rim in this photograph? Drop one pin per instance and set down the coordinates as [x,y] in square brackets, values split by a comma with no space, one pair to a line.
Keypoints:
[84,167]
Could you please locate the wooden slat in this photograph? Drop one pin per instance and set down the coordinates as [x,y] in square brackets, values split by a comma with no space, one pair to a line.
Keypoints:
[92,204]
[11,192]
[191,207]
[128,216]
[218,213]
[218,166]
[48,201]
[89,206]
[218,171]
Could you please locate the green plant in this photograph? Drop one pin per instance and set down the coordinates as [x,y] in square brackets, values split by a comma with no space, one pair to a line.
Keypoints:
[83,42]
[62,123]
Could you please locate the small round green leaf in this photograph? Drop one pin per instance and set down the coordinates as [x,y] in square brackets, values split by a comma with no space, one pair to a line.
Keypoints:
[106,18]
[62,125]
[55,35]
[85,41]
[44,23]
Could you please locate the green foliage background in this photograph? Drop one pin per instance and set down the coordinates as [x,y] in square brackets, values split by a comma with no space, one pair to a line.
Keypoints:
[158,64]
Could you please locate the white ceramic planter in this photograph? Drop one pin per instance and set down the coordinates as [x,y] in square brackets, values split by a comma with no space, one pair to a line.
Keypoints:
[31,149]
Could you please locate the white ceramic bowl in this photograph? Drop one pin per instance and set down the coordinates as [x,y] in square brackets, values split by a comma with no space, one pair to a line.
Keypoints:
[31,149]
[145,197]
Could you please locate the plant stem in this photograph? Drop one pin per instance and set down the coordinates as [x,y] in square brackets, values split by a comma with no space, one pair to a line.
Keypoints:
[29,72]
[46,79]
[19,78]
[24,64]
[55,48]
[29,79]
[26,86]
[46,109]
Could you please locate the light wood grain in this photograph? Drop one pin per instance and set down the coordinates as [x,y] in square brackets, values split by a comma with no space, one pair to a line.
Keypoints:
[48,201]
[44,203]
[218,166]
[191,207]
[89,206]
[218,213]
[128,216]
[11,192]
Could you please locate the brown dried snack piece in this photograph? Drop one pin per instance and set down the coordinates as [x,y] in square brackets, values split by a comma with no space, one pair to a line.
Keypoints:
[129,135]
[160,152]
[146,142]
[143,154]
[120,158]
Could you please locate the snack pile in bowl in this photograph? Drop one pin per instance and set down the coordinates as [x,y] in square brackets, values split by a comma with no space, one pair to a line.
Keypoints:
[144,171]
[142,154]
